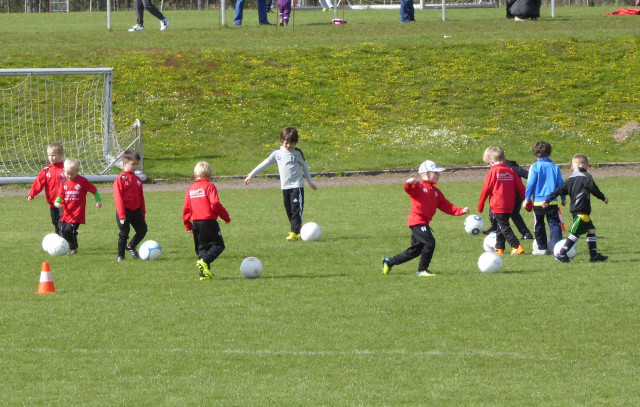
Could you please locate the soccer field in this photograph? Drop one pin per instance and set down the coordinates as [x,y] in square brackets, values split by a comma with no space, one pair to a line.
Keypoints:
[322,326]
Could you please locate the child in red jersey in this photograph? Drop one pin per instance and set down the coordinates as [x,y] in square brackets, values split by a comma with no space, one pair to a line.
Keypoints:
[425,199]
[501,185]
[201,210]
[72,196]
[130,208]
[49,179]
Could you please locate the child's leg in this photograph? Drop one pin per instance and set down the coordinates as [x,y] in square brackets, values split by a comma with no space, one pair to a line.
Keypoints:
[69,231]
[294,205]
[417,246]
[555,227]
[516,217]
[123,235]
[55,218]
[136,218]
[505,229]
[211,244]
[539,228]
[572,239]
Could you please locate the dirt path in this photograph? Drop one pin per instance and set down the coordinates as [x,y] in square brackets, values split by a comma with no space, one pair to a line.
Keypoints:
[459,174]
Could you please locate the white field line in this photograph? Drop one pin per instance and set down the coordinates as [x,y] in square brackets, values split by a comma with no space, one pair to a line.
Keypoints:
[304,354]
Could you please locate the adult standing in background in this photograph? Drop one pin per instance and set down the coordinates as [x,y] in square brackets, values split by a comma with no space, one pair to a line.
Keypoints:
[262,12]
[406,11]
[141,6]
[521,10]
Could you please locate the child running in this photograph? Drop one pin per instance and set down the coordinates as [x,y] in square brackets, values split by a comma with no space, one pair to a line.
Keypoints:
[49,179]
[501,185]
[130,207]
[425,199]
[579,186]
[291,165]
[72,196]
[200,212]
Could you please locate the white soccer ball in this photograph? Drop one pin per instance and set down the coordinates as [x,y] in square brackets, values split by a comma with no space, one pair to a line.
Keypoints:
[489,243]
[571,253]
[310,232]
[251,267]
[150,250]
[473,224]
[490,262]
[55,245]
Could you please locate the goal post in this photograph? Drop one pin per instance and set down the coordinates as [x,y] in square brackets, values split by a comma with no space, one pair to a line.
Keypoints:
[71,106]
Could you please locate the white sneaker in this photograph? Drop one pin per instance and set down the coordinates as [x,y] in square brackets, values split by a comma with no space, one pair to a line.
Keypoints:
[539,253]
[164,23]
[136,27]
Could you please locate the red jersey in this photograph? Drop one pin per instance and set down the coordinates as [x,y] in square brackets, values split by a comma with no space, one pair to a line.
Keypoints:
[127,194]
[501,185]
[201,202]
[48,179]
[425,199]
[74,198]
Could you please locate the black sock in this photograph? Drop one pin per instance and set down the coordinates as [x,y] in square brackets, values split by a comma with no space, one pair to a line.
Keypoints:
[568,244]
[592,244]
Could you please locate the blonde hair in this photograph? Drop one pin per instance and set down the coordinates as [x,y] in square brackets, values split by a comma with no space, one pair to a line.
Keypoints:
[580,161]
[203,170]
[71,164]
[495,154]
[486,155]
[55,147]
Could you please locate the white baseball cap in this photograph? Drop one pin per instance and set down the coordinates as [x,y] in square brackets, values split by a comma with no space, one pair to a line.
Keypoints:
[429,166]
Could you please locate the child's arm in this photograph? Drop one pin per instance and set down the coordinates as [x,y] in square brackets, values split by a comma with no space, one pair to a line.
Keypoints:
[486,189]
[37,187]
[98,199]
[267,162]
[186,213]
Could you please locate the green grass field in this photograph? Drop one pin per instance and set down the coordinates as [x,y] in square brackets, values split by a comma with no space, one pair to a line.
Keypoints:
[322,326]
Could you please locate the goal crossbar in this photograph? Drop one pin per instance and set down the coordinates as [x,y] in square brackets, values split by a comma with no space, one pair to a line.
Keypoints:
[70,106]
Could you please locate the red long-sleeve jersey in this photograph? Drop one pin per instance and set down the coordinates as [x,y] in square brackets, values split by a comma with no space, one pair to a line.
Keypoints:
[127,194]
[425,200]
[74,198]
[501,186]
[201,202]
[49,179]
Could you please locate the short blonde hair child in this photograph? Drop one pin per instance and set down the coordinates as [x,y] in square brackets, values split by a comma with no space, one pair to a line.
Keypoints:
[494,154]
[203,170]
[56,148]
[580,161]
[71,164]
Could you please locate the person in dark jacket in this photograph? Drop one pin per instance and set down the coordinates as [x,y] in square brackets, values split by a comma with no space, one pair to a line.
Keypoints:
[521,10]
[580,186]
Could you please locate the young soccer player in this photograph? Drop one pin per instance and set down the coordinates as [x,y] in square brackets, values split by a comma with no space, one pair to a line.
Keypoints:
[292,166]
[516,217]
[579,186]
[201,210]
[501,185]
[49,179]
[72,196]
[130,207]
[544,178]
[425,200]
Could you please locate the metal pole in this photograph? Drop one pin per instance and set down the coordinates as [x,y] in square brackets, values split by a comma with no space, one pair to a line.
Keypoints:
[444,13]
[108,15]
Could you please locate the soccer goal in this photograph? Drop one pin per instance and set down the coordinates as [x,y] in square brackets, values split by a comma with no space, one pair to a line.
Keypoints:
[69,106]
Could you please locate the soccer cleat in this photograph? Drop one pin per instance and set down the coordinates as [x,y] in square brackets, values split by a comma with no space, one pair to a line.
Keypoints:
[489,231]
[164,23]
[539,253]
[563,258]
[516,251]
[203,277]
[136,27]
[204,269]
[119,259]
[386,268]
[133,252]
[72,252]
[499,251]
[293,236]
[425,273]
[527,236]
[598,258]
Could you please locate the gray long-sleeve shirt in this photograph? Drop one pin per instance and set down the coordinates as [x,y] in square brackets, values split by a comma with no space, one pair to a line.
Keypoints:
[292,167]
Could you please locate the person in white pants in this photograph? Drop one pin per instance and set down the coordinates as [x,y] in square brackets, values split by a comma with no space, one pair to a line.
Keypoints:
[326,4]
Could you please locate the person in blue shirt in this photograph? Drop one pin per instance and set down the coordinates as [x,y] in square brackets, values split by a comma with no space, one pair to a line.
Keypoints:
[544,178]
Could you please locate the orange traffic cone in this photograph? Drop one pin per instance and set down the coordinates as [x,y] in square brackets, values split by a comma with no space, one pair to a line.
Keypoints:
[46,282]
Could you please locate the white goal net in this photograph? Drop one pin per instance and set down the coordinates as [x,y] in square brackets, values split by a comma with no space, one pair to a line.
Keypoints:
[69,106]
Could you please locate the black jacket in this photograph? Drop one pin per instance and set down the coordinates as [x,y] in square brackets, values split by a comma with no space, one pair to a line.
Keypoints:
[579,186]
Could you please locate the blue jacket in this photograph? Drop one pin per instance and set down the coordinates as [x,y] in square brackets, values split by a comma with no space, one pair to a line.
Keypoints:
[544,178]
